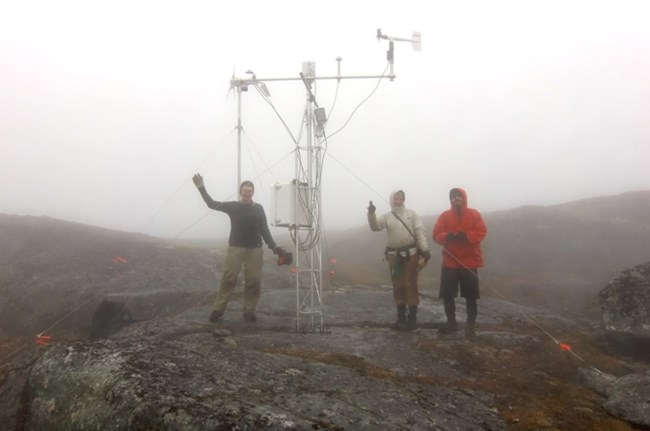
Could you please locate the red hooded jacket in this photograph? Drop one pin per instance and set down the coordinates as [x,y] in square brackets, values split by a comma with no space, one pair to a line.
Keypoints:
[461,253]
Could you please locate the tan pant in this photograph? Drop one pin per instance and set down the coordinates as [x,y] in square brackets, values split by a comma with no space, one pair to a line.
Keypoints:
[251,259]
[405,283]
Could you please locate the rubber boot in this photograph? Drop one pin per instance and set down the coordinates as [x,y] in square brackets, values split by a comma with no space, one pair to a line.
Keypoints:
[400,324]
[411,319]
[450,311]
[472,312]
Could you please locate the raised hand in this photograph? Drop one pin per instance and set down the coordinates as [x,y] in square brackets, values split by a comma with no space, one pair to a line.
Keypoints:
[198,180]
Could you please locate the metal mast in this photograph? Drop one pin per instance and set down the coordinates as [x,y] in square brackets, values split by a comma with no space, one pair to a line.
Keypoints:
[307,237]
[239,128]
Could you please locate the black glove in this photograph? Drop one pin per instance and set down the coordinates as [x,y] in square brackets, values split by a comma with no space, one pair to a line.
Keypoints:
[461,236]
[371,208]
[425,254]
[451,236]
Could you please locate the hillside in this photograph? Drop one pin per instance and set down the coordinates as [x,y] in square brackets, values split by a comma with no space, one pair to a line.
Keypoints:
[359,375]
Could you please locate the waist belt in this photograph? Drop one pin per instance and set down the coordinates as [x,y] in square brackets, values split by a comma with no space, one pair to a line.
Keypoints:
[406,251]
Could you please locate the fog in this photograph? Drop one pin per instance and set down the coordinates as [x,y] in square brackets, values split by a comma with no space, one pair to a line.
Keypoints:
[108,108]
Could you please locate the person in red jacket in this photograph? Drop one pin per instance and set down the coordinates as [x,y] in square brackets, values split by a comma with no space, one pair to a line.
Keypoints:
[460,231]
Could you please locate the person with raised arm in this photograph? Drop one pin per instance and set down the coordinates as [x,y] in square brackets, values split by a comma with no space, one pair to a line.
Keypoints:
[406,244]
[248,227]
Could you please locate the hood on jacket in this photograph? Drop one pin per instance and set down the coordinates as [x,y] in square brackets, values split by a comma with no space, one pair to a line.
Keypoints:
[462,193]
[392,194]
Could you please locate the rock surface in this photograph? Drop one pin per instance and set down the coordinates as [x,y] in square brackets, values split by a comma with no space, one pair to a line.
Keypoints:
[174,370]
[183,373]
[629,397]
[626,397]
[625,302]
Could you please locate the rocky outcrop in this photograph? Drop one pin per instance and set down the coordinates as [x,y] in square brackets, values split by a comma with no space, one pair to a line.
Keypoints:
[183,373]
[625,307]
[626,397]
[625,304]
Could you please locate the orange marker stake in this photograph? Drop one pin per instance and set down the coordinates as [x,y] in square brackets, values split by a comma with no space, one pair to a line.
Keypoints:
[43,340]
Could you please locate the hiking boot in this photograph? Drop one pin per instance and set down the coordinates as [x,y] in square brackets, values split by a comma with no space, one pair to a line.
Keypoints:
[448,328]
[400,324]
[215,316]
[411,322]
[249,316]
[412,317]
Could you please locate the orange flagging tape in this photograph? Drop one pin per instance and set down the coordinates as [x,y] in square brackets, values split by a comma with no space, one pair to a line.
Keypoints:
[43,340]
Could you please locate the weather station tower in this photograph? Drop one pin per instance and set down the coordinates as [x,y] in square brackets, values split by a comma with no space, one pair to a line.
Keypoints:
[297,204]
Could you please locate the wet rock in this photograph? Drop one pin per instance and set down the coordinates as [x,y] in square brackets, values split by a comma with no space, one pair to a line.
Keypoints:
[177,371]
[13,388]
[625,304]
[596,380]
[193,383]
[183,373]
[108,319]
[628,398]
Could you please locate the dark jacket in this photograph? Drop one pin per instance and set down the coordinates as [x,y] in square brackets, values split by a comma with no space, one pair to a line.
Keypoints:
[248,225]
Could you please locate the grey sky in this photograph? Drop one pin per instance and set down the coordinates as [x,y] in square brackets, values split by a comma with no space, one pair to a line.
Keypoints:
[108,108]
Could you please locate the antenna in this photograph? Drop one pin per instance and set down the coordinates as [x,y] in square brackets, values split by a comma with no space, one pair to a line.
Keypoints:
[303,194]
[242,85]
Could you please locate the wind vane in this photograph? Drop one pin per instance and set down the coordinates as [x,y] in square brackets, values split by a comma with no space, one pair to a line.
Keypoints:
[416,42]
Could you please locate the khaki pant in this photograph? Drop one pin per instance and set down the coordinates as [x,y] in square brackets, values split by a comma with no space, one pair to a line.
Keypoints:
[405,281]
[251,259]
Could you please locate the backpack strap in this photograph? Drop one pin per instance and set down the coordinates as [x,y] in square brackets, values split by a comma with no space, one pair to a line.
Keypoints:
[404,224]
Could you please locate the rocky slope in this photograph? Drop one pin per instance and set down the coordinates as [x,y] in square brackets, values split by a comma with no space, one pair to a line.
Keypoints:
[174,370]
[182,373]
